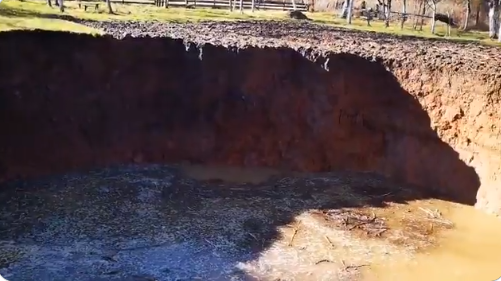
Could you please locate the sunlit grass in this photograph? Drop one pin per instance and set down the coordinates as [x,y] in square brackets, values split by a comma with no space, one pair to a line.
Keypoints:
[395,28]
[15,14]
[31,14]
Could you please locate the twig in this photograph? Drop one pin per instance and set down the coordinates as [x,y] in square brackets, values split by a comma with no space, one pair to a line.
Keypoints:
[330,242]
[430,213]
[373,219]
[347,267]
[322,261]
[382,195]
[427,211]
[442,221]
[355,266]
[356,225]
[378,234]
[253,236]
[212,244]
[293,235]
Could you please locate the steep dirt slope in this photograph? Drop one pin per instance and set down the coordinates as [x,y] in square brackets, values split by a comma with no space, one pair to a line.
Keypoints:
[419,112]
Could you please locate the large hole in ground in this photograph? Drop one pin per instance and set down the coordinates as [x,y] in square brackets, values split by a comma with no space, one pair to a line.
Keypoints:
[73,103]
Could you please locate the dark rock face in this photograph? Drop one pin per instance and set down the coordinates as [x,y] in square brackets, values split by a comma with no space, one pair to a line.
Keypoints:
[72,101]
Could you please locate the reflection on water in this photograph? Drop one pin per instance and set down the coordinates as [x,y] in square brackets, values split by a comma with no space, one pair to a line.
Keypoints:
[470,251]
[229,174]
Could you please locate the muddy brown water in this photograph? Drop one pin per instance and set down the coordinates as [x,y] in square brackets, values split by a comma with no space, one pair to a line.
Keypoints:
[469,251]
[227,223]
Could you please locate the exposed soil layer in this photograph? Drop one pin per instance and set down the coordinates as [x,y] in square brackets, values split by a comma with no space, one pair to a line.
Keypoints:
[417,111]
[430,53]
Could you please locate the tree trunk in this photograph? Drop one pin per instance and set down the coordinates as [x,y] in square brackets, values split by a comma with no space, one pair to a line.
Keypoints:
[108,4]
[417,8]
[253,5]
[499,33]
[493,18]
[404,14]
[49,3]
[56,3]
[294,7]
[350,11]
[467,14]
[434,12]
[61,6]
[422,18]
[166,3]
[344,10]
[388,14]
[448,25]
[241,6]
[477,17]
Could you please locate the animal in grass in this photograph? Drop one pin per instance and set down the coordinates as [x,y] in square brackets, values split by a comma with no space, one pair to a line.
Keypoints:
[445,19]
[298,15]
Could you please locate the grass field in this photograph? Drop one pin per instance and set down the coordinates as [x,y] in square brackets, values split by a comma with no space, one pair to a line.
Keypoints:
[30,14]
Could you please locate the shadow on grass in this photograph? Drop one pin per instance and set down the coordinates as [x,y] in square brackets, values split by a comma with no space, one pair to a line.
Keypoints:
[11,12]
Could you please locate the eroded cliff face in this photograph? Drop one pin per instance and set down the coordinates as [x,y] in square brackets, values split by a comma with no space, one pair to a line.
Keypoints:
[72,101]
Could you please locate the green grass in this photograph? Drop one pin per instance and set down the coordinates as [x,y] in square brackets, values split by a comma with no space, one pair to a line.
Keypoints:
[30,14]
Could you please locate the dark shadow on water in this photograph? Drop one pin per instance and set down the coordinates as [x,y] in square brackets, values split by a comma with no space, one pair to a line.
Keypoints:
[86,102]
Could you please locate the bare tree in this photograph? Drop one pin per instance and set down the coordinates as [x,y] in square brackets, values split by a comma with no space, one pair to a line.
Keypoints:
[49,3]
[350,11]
[344,9]
[477,16]
[110,10]
[467,14]
[499,33]
[241,6]
[417,8]
[253,5]
[166,4]
[423,14]
[404,14]
[294,7]
[61,5]
[387,13]
[493,18]
[449,24]
[433,4]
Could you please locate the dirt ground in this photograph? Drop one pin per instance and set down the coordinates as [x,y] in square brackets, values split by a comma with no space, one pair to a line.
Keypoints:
[198,223]
[134,102]
[430,53]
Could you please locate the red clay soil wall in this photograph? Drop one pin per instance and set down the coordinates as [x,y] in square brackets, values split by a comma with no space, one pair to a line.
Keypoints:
[72,101]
